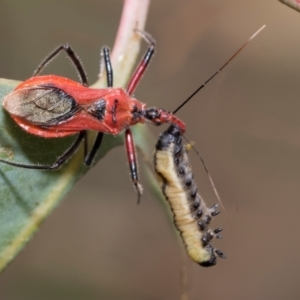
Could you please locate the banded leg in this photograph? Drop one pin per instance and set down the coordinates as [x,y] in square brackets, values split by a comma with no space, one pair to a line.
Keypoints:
[142,66]
[131,156]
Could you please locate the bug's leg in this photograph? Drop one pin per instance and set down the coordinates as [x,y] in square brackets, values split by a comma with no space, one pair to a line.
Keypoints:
[130,149]
[131,155]
[89,157]
[56,165]
[142,66]
[73,57]
[108,67]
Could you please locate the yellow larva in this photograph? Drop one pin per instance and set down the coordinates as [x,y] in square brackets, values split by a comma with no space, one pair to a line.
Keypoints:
[191,215]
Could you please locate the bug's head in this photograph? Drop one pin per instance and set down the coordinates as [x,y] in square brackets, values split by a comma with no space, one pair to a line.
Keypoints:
[160,116]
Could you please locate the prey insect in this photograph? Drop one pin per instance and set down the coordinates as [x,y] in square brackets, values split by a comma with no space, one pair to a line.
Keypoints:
[51,106]
[191,215]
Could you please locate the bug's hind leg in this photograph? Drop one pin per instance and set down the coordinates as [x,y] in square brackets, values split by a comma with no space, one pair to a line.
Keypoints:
[58,163]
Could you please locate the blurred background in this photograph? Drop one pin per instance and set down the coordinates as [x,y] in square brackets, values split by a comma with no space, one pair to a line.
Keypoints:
[98,244]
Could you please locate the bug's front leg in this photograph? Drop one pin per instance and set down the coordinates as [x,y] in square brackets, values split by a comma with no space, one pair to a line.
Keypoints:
[131,155]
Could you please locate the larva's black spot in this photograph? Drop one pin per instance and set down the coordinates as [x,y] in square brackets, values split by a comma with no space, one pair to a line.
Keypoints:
[202,225]
[181,171]
[199,213]
[196,205]
[207,219]
[194,193]
[205,239]
[188,183]
[214,210]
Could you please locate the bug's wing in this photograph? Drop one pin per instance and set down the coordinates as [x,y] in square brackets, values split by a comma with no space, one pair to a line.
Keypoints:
[42,105]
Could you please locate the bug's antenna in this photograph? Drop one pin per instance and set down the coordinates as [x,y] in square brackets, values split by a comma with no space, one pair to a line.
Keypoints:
[216,73]
[195,92]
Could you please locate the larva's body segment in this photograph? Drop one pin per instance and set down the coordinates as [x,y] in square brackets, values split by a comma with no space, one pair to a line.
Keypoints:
[191,215]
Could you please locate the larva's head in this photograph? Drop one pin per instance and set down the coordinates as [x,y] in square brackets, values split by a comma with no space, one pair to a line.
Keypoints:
[172,135]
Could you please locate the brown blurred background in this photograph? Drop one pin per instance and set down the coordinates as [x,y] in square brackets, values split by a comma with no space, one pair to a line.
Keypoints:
[98,244]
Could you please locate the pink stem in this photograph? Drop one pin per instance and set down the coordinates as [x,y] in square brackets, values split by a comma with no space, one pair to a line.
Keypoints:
[127,43]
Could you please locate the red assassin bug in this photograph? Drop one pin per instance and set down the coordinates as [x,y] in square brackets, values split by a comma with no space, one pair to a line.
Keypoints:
[51,107]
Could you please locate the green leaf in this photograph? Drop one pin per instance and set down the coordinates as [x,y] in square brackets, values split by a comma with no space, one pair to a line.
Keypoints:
[28,196]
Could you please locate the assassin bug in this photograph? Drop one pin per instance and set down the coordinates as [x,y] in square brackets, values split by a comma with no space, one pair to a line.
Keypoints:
[191,215]
[51,106]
